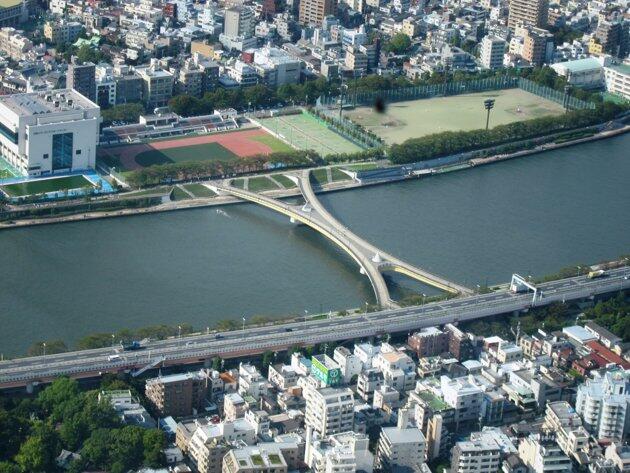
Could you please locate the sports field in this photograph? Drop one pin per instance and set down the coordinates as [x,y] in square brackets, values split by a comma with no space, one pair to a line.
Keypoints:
[44,186]
[219,147]
[412,119]
[306,132]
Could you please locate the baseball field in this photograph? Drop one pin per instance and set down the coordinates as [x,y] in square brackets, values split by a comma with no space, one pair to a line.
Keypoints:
[415,118]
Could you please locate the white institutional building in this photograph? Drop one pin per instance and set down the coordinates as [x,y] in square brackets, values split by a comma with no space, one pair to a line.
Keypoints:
[44,133]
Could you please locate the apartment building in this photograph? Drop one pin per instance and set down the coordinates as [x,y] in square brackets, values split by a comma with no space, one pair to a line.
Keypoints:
[528,12]
[343,452]
[541,454]
[430,341]
[459,343]
[82,78]
[604,404]
[476,456]
[492,51]
[62,31]
[464,397]
[562,419]
[234,406]
[313,12]
[398,370]
[13,44]
[329,410]
[238,22]
[178,395]
[349,364]
[157,85]
[277,457]
[401,448]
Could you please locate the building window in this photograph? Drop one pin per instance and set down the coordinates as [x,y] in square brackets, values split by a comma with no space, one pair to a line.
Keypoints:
[45,155]
[62,151]
[77,152]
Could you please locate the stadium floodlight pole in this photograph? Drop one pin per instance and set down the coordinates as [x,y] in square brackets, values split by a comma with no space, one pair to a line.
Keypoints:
[567,89]
[343,88]
[489,105]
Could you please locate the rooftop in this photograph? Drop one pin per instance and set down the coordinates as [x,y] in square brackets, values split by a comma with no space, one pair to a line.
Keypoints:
[38,103]
[400,436]
[581,65]
[435,403]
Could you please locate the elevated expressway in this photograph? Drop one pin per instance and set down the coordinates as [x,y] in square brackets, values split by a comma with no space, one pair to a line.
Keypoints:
[201,348]
[371,260]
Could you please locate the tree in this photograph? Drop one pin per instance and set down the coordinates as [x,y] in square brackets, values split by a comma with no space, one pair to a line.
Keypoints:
[6,467]
[154,442]
[96,448]
[127,112]
[54,346]
[39,451]
[267,359]
[398,44]
[13,431]
[87,54]
[60,391]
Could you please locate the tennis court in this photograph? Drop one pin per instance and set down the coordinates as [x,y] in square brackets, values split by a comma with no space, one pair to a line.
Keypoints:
[304,131]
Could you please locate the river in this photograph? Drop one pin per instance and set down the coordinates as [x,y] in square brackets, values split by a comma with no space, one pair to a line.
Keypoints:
[532,215]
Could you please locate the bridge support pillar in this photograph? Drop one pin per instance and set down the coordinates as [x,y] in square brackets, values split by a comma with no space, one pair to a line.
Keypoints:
[30,387]
[292,220]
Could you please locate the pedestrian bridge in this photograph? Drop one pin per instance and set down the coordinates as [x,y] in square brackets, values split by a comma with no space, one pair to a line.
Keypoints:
[372,261]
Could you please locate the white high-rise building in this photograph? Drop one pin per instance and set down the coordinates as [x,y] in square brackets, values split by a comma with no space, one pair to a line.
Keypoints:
[402,447]
[346,452]
[604,402]
[329,410]
[541,454]
[492,51]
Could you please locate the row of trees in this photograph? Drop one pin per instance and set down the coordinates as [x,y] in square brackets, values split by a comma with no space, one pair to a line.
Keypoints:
[454,142]
[34,431]
[194,170]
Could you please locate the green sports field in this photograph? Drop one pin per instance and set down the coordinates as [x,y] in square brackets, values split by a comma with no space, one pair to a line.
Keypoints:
[412,119]
[202,152]
[306,132]
[274,143]
[44,186]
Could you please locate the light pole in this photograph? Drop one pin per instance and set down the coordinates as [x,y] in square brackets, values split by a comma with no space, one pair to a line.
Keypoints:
[343,88]
[305,315]
[488,105]
[44,346]
[424,296]
[567,89]
[179,331]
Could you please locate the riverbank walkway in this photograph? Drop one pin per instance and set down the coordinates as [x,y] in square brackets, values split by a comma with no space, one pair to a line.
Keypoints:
[372,261]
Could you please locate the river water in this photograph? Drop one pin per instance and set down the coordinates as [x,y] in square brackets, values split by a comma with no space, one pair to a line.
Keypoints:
[532,215]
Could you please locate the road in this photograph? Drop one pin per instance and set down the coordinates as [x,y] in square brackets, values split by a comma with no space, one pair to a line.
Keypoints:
[193,349]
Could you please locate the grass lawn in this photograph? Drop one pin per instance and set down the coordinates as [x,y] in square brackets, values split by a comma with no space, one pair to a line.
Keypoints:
[43,186]
[320,176]
[240,183]
[262,183]
[179,194]
[274,143]
[151,191]
[284,180]
[202,152]
[199,190]
[415,118]
[362,167]
[337,175]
